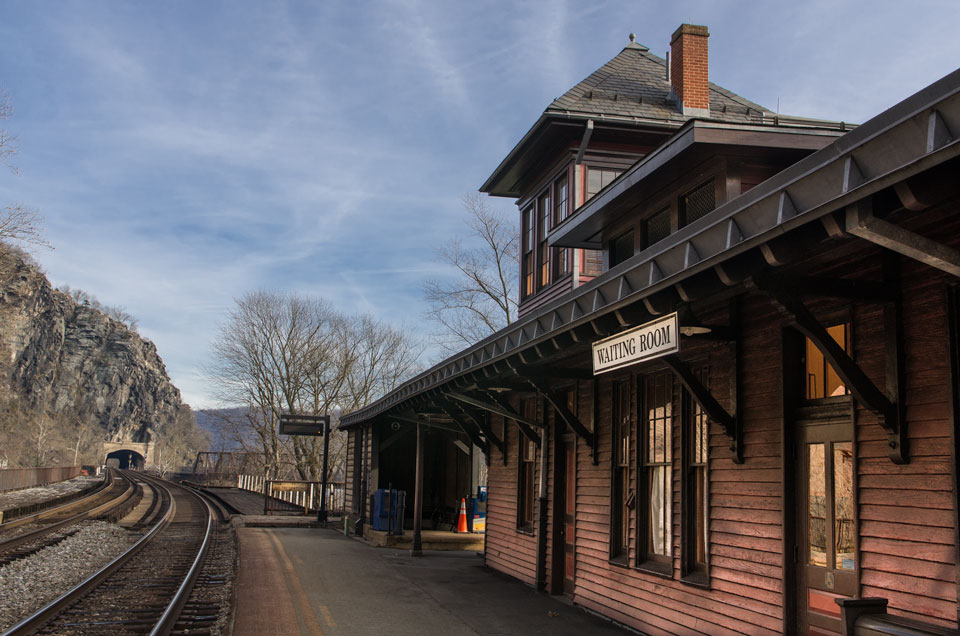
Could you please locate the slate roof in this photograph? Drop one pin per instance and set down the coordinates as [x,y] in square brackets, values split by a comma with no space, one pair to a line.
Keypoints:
[634,84]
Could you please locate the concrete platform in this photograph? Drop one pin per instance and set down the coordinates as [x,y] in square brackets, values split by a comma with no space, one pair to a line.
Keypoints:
[431,540]
[315,582]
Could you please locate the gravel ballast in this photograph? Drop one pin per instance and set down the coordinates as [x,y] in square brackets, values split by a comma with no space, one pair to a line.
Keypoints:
[32,582]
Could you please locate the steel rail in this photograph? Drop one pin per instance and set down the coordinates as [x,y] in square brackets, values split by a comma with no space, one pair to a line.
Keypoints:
[169,618]
[107,506]
[35,622]
[49,512]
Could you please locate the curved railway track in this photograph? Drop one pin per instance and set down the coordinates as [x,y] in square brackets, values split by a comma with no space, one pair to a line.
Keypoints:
[148,588]
[117,496]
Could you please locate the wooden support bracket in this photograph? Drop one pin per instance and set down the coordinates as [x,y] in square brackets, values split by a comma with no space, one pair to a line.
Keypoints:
[862,387]
[495,404]
[861,222]
[709,404]
[559,406]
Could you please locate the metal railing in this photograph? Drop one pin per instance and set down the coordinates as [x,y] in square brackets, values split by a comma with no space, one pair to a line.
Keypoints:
[308,499]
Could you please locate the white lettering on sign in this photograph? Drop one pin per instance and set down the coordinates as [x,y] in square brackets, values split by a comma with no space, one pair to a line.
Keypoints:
[652,340]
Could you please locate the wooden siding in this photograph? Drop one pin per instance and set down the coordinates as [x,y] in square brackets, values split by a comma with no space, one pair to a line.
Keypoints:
[507,549]
[906,514]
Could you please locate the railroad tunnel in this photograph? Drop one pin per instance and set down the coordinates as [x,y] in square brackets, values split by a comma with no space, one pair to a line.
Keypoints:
[125,459]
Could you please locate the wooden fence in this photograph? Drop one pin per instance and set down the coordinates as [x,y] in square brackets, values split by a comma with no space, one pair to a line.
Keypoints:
[17,478]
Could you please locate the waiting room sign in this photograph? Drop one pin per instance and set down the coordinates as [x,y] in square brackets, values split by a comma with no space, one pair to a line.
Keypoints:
[657,338]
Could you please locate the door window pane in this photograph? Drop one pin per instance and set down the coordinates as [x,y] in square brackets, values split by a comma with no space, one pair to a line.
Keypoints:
[843,504]
[817,507]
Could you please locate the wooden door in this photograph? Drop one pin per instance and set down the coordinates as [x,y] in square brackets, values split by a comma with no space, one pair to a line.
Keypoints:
[827,552]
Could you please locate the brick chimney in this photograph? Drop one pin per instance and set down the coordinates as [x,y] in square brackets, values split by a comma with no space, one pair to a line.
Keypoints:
[689,80]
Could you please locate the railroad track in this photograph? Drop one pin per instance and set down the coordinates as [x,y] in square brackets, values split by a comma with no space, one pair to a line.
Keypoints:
[118,495]
[146,590]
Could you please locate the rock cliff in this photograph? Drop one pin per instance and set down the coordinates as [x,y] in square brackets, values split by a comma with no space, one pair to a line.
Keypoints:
[58,357]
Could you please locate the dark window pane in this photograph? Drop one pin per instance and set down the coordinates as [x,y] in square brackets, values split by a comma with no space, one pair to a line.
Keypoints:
[621,249]
[658,227]
[698,203]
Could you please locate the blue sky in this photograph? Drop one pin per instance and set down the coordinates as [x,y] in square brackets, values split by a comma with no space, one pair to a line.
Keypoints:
[184,153]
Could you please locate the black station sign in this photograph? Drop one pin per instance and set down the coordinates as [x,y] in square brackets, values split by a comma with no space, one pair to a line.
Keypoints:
[657,338]
[313,425]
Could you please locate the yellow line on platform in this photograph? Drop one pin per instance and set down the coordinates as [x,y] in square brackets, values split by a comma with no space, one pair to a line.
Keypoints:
[305,611]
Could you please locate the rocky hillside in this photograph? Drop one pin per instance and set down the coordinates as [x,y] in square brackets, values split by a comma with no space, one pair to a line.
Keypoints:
[71,363]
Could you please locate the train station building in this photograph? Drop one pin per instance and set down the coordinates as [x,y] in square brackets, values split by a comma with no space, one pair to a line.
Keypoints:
[730,402]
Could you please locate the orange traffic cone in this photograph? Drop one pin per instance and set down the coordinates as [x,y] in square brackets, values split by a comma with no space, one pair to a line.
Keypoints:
[462,521]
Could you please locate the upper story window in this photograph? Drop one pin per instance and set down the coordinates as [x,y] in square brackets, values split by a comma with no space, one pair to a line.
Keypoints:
[697,203]
[544,212]
[621,248]
[526,263]
[656,228]
[598,179]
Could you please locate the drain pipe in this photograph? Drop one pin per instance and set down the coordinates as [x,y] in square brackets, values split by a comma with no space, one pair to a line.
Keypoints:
[541,572]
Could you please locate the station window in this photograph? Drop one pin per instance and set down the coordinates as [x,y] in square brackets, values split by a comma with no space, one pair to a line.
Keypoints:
[696,513]
[526,473]
[622,493]
[544,213]
[656,228]
[621,248]
[563,256]
[527,270]
[820,378]
[697,203]
[598,179]
[656,470]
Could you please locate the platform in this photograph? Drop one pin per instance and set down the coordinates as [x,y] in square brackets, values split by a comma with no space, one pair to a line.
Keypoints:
[316,582]
[431,540]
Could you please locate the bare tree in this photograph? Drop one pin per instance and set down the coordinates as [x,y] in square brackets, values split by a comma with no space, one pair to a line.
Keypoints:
[85,298]
[290,354]
[18,223]
[177,442]
[481,298]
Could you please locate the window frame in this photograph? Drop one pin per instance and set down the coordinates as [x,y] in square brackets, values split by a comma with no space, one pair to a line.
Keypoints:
[544,213]
[647,559]
[845,320]
[528,252]
[695,513]
[682,220]
[620,484]
[526,472]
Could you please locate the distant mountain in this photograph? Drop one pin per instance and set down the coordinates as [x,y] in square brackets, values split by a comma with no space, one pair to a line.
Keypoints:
[215,423]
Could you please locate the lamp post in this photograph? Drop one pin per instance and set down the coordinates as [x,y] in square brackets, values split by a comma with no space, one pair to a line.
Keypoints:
[322,513]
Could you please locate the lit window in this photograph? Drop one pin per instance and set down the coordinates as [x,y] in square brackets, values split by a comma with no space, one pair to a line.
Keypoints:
[820,378]
[657,465]
[526,472]
[620,521]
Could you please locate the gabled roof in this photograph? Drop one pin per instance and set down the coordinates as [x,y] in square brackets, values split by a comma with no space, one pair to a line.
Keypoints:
[906,140]
[630,91]
[634,84]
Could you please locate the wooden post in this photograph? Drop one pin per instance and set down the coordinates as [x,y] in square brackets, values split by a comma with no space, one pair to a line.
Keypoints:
[418,498]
